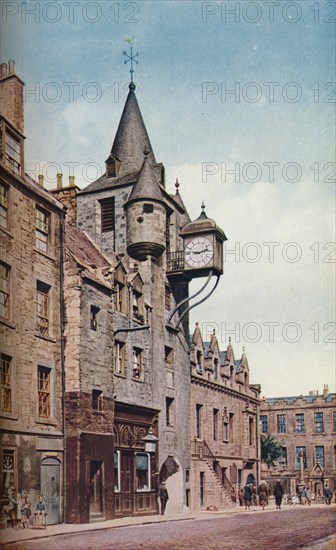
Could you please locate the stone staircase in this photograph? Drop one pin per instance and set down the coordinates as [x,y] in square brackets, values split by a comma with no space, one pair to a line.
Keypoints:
[219,494]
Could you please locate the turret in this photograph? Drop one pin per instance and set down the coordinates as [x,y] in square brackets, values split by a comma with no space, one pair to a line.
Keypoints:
[146,215]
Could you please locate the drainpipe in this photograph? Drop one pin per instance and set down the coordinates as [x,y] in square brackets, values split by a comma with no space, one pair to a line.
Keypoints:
[62,316]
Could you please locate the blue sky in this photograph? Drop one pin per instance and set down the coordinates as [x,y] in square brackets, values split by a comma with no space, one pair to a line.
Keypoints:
[189,54]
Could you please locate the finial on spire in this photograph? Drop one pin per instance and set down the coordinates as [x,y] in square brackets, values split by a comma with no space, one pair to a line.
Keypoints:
[177,185]
[203,206]
[132,59]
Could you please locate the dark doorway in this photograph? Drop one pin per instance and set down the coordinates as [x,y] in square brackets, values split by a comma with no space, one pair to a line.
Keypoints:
[127,466]
[96,490]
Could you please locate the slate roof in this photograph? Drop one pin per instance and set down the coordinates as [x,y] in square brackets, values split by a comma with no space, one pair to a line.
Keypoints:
[147,186]
[307,398]
[83,249]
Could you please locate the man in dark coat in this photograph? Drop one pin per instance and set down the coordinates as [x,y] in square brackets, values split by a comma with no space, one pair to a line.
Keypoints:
[163,494]
[278,493]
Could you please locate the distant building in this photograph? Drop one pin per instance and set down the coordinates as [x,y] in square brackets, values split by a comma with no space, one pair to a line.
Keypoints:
[306,424]
[224,425]
[32,374]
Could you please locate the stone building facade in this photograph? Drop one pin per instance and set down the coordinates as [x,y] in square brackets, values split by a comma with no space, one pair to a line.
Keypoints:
[32,375]
[224,425]
[306,424]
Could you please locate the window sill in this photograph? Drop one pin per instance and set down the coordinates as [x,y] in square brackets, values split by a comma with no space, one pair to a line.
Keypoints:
[6,232]
[8,415]
[120,375]
[45,337]
[4,321]
[46,255]
[138,379]
[46,421]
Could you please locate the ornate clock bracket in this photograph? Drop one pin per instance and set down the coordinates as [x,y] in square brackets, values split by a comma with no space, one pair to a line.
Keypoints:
[191,298]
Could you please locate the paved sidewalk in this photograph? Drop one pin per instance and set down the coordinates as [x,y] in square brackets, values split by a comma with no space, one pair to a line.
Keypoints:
[10,535]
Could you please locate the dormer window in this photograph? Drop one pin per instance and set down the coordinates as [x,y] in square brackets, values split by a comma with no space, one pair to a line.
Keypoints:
[112,167]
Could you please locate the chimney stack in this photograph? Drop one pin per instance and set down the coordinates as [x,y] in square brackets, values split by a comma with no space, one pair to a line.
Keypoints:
[59,181]
[40,180]
[11,67]
[72,181]
[3,69]
[325,390]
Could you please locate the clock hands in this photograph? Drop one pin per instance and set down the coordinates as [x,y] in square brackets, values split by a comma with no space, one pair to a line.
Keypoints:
[197,251]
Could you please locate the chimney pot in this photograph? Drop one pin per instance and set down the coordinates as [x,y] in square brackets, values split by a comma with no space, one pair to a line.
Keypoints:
[3,69]
[72,181]
[325,390]
[40,180]
[59,181]
[11,67]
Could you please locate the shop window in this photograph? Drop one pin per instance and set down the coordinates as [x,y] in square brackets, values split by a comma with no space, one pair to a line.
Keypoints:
[43,386]
[4,290]
[142,472]
[116,471]
[8,470]
[6,383]
[3,204]
[42,305]
[42,229]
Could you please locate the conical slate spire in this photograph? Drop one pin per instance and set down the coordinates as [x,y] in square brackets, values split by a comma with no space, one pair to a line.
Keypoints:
[131,137]
[147,186]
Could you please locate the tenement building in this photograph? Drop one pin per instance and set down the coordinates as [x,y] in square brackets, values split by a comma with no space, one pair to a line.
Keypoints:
[31,227]
[306,428]
[224,424]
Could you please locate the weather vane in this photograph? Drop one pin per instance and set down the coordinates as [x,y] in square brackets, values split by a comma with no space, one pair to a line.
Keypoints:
[131,57]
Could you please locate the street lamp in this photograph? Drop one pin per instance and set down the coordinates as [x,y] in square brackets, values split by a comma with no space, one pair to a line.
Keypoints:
[150,441]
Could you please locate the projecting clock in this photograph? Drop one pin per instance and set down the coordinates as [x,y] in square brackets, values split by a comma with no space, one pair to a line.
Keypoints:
[198,252]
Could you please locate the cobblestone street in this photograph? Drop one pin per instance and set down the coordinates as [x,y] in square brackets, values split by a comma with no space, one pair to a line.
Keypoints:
[287,529]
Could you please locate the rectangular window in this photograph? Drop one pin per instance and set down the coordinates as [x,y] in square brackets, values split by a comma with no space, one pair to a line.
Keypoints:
[169,357]
[12,152]
[264,423]
[142,472]
[120,365]
[94,310]
[319,455]
[116,471]
[283,456]
[4,290]
[198,421]
[137,306]
[120,298]
[299,423]
[169,411]
[215,413]
[225,430]
[97,400]
[42,229]
[6,383]
[281,423]
[199,361]
[3,204]
[42,307]
[231,427]
[167,298]
[251,431]
[43,387]
[8,470]
[137,364]
[318,422]
[216,362]
[107,215]
[297,457]
[148,208]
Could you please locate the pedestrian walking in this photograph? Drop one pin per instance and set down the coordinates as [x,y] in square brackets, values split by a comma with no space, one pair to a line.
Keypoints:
[263,493]
[278,493]
[327,495]
[163,494]
[247,496]
[303,496]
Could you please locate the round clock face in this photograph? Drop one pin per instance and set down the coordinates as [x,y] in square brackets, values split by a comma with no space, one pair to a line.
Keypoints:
[198,252]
